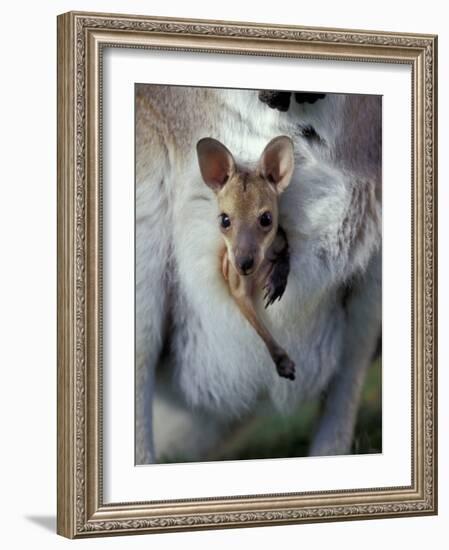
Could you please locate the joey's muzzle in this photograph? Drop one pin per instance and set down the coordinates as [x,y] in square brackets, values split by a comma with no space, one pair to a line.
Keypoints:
[245,264]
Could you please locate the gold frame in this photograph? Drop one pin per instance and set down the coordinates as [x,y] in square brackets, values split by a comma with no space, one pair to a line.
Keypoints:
[81,37]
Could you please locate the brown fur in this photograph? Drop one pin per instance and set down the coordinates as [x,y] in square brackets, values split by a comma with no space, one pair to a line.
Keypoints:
[244,198]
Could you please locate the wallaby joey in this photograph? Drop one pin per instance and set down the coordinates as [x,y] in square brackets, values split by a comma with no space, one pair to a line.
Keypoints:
[256,254]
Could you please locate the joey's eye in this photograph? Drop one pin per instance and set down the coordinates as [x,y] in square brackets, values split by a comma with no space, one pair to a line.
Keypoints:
[225,222]
[265,219]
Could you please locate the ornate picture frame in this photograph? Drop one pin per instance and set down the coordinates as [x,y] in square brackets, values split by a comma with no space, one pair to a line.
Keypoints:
[82,38]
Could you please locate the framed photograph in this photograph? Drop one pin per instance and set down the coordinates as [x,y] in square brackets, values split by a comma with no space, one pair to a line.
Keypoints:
[246,274]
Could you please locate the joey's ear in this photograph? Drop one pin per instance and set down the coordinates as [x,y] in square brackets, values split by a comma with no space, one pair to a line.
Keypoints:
[216,163]
[277,162]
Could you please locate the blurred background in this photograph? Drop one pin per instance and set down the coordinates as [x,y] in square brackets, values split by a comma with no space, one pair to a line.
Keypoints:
[265,434]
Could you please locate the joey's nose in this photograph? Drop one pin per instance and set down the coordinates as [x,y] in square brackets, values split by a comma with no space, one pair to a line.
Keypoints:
[246,264]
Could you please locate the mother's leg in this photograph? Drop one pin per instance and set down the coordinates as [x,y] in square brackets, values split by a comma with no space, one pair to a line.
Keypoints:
[364,317]
[152,260]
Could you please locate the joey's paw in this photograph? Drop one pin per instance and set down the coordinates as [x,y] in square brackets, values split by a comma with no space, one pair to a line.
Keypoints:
[286,367]
[276,284]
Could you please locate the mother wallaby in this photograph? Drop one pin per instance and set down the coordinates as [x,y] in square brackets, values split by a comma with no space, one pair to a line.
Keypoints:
[329,318]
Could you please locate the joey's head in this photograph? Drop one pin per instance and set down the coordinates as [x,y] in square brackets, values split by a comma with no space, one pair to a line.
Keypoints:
[247,199]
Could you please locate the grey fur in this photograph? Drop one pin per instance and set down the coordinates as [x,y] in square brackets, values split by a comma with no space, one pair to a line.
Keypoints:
[331,213]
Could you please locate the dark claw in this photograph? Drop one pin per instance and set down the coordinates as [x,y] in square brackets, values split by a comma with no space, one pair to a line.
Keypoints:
[275,99]
[286,368]
[276,284]
[277,279]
